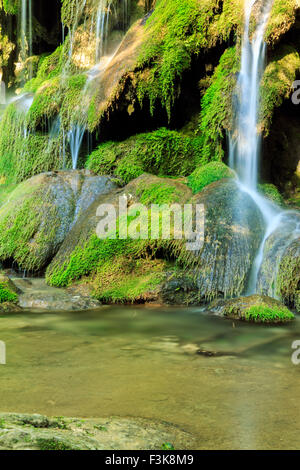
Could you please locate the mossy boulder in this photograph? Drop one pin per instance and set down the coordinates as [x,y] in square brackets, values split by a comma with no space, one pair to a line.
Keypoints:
[207,174]
[233,230]
[253,309]
[280,270]
[162,152]
[119,270]
[39,213]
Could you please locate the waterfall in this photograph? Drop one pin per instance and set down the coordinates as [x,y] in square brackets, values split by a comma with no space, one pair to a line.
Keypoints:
[26,33]
[245,139]
[102,21]
[75,136]
[101,30]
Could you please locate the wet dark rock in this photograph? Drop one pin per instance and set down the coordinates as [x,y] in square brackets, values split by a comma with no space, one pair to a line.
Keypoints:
[233,233]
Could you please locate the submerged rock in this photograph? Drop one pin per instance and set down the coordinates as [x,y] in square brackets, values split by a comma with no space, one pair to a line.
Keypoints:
[37,432]
[36,294]
[40,212]
[255,308]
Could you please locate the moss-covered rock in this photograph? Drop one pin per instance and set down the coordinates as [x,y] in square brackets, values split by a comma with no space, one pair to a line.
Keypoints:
[175,32]
[233,226]
[279,274]
[282,18]
[40,212]
[288,283]
[120,270]
[254,309]
[162,152]
[216,114]
[207,174]
[271,192]
[277,80]
[37,432]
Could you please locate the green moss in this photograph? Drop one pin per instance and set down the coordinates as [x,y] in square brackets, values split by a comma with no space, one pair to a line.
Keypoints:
[25,234]
[50,66]
[271,192]
[126,280]
[216,107]
[53,443]
[264,314]
[6,48]
[207,174]
[156,193]
[162,152]
[283,16]
[26,153]
[276,84]
[288,280]
[58,96]
[175,32]
[5,191]
[10,6]
[6,295]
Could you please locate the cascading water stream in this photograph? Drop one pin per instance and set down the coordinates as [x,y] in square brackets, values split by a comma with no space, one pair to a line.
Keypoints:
[26,33]
[245,140]
[77,131]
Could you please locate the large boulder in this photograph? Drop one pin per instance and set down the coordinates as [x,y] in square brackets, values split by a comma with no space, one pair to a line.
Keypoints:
[40,212]
[233,233]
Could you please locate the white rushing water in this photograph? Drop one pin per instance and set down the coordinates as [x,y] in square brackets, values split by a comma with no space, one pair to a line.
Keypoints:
[245,140]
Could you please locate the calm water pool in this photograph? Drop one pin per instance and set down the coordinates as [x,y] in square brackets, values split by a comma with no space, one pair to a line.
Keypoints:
[138,361]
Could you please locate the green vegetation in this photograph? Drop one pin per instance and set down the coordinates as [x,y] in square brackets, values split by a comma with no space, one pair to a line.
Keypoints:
[216,107]
[10,6]
[271,192]
[26,154]
[264,314]
[207,174]
[49,67]
[283,16]
[53,443]
[127,280]
[288,281]
[158,193]
[6,294]
[162,152]
[28,225]
[167,446]
[276,84]
[175,32]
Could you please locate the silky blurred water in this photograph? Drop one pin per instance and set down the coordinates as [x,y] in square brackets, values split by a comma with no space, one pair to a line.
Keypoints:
[143,361]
